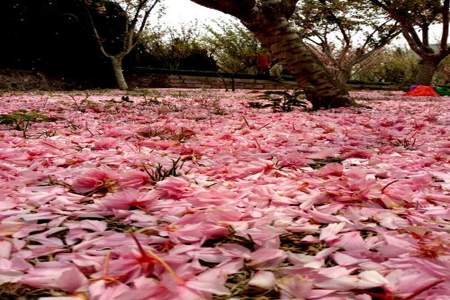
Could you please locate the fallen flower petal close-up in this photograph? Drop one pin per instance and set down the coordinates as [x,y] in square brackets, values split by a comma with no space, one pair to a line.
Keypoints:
[199,195]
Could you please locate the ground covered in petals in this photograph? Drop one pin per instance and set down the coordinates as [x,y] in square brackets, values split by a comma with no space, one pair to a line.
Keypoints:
[195,194]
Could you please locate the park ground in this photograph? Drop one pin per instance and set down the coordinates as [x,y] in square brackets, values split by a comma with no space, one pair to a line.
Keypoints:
[194,194]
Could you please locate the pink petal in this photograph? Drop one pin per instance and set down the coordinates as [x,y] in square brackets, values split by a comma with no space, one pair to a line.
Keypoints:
[211,281]
[330,232]
[267,257]
[58,276]
[263,280]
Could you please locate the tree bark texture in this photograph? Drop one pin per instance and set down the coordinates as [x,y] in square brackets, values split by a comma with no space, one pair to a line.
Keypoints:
[426,71]
[268,21]
[118,73]
[287,47]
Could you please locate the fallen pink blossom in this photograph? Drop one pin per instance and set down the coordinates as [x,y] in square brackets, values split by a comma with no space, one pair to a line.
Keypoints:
[55,275]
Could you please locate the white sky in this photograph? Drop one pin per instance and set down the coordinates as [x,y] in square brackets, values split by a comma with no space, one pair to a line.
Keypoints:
[180,12]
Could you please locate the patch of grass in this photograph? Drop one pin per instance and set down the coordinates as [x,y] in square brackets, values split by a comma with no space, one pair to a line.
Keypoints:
[407,143]
[16,291]
[180,94]
[294,243]
[159,172]
[22,119]
[320,163]
[281,101]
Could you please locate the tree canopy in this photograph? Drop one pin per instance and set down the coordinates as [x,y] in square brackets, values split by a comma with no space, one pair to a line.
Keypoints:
[344,33]
[416,18]
[233,46]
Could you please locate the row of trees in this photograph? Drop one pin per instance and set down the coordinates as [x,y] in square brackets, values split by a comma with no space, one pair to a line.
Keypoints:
[229,47]
[319,42]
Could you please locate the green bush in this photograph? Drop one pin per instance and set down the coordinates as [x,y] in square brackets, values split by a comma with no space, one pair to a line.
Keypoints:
[234,47]
[174,49]
[398,66]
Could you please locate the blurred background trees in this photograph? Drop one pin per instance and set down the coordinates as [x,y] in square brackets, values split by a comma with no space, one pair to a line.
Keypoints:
[175,49]
[416,18]
[349,37]
[233,47]
[391,65]
[344,34]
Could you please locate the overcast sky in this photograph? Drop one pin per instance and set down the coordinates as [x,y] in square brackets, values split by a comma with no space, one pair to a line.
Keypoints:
[184,11]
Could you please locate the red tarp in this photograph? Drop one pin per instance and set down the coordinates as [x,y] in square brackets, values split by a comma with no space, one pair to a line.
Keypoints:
[422,90]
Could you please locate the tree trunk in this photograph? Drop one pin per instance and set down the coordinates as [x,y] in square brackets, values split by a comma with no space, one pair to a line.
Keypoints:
[287,47]
[426,71]
[344,75]
[118,73]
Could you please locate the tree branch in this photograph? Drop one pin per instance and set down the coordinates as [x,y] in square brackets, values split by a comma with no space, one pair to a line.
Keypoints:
[392,34]
[407,27]
[445,21]
[133,41]
[95,31]
[338,22]
[425,36]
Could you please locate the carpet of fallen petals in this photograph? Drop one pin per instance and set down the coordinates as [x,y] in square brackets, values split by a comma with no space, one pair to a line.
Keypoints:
[190,194]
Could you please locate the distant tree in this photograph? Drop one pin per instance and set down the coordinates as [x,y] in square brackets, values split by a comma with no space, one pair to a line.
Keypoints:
[268,20]
[175,48]
[392,65]
[416,18]
[137,14]
[233,46]
[344,33]
[182,43]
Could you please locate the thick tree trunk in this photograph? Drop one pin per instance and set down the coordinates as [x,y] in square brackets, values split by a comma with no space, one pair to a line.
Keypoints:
[344,75]
[268,20]
[427,68]
[118,73]
[287,47]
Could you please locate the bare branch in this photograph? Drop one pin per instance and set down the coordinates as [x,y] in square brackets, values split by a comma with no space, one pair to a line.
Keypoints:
[338,22]
[97,37]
